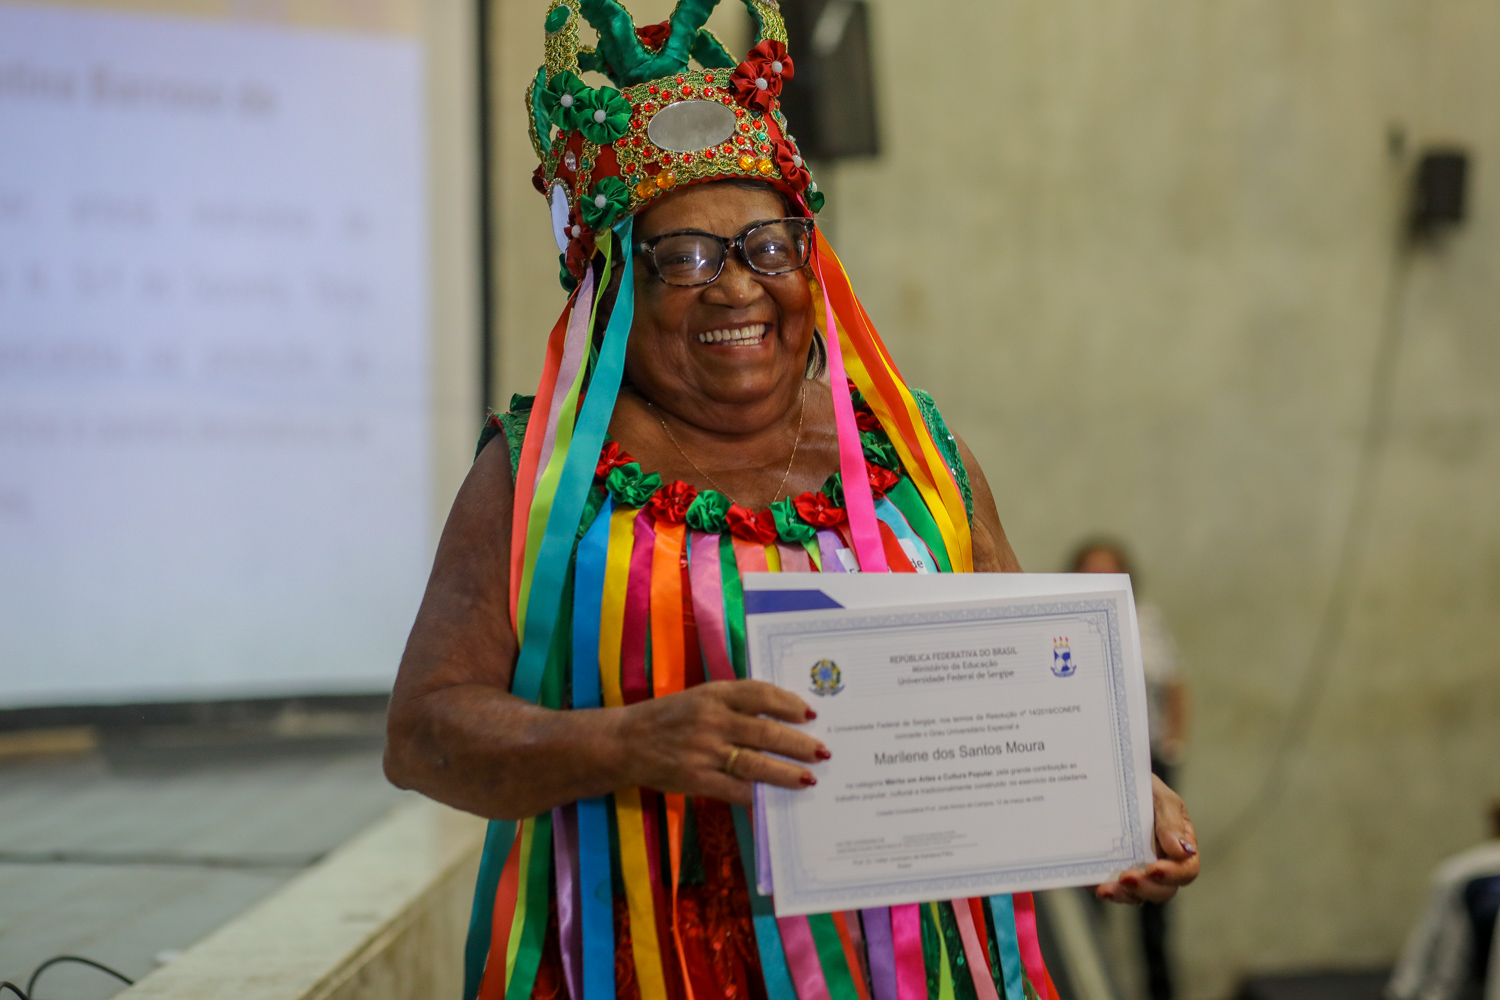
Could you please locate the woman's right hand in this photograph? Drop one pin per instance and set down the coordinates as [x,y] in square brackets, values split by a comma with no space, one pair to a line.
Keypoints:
[679,744]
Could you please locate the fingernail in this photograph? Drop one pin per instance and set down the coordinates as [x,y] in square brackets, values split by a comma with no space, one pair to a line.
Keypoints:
[811,715]
[808,779]
[823,754]
[1187,846]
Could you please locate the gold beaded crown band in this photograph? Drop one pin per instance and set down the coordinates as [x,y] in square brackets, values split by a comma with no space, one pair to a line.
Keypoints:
[607,153]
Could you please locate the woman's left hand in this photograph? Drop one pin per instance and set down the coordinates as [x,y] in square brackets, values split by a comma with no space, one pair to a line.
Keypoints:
[1176,851]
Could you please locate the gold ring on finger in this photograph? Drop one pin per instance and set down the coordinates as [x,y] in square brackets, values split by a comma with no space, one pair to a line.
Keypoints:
[734,755]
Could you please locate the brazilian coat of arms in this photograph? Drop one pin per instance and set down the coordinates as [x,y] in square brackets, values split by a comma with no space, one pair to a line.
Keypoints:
[1062,658]
[827,678]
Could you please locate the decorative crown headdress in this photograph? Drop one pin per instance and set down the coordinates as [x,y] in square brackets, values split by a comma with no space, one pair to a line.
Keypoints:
[606,153]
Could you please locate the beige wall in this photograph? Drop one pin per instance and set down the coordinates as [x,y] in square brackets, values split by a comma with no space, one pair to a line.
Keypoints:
[1142,253]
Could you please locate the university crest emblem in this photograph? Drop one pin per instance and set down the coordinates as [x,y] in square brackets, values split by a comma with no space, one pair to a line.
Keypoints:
[1062,658]
[827,678]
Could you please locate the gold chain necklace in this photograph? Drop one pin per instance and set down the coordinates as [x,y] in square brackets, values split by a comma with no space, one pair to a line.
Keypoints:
[797,441]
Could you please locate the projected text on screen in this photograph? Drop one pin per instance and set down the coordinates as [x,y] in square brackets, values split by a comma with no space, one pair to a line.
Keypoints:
[214,464]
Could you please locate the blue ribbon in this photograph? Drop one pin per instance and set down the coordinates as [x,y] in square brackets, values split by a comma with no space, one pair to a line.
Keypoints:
[767,935]
[573,486]
[1004,913]
[595,890]
[891,515]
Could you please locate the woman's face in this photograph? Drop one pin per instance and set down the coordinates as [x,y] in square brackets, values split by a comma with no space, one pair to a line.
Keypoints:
[673,359]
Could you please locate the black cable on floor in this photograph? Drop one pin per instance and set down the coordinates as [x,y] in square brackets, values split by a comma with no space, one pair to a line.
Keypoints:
[58,960]
[13,988]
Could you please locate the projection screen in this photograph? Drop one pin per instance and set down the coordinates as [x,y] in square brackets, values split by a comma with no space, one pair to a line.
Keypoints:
[234,341]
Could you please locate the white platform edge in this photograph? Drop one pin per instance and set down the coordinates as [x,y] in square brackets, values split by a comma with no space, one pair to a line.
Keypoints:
[381,917]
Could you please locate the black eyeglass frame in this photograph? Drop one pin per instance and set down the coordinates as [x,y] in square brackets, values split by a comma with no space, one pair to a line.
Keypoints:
[647,249]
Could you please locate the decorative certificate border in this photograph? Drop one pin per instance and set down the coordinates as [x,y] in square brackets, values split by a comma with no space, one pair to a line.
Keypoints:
[771,637]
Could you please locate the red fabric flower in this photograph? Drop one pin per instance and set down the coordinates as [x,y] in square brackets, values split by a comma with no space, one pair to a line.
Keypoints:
[866,420]
[670,504]
[818,510]
[757,81]
[882,481]
[791,166]
[580,252]
[750,526]
[611,458]
[774,55]
[654,36]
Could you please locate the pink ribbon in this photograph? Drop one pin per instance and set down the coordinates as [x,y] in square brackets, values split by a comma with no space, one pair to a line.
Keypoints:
[906,938]
[794,558]
[802,958]
[1030,946]
[858,500]
[575,349]
[979,960]
[637,614]
[705,576]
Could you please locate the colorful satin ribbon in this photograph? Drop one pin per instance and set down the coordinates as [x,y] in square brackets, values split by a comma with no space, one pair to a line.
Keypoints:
[623,602]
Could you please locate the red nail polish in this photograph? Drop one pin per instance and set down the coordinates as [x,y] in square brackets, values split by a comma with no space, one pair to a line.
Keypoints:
[823,753]
[811,715]
[808,779]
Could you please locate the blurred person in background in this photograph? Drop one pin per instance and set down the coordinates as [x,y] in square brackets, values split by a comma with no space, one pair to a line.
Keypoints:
[1451,952]
[1166,707]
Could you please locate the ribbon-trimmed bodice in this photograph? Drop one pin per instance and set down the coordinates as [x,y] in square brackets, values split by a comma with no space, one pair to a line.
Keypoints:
[642,894]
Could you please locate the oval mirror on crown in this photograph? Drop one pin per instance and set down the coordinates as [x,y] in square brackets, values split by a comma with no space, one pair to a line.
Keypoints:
[688,126]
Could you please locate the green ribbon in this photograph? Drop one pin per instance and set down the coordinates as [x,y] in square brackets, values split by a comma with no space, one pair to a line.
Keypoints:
[630,486]
[603,128]
[707,512]
[831,957]
[734,604]
[958,959]
[790,528]
[908,501]
[541,118]
[539,871]
[620,49]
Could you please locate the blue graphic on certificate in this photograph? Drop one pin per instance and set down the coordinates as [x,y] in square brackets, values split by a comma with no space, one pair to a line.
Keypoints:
[988,734]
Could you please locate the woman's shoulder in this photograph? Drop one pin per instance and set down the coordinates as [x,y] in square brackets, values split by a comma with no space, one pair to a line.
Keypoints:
[512,424]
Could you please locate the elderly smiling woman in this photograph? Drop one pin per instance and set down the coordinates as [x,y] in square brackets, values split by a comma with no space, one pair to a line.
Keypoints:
[576,671]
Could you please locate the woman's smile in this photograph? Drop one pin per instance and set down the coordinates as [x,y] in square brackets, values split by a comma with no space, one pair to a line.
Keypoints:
[749,335]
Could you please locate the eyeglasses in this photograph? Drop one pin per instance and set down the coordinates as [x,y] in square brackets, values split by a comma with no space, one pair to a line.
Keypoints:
[692,257]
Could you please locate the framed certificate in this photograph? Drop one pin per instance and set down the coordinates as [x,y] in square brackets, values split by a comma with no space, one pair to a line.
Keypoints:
[991,738]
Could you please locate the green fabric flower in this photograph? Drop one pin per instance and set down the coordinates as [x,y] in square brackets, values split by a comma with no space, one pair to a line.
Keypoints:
[833,489]
[707,512]
[630,487]
[879,450]
[608,202]
[789,527]
[814,197]
[602,115]
[562,99]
